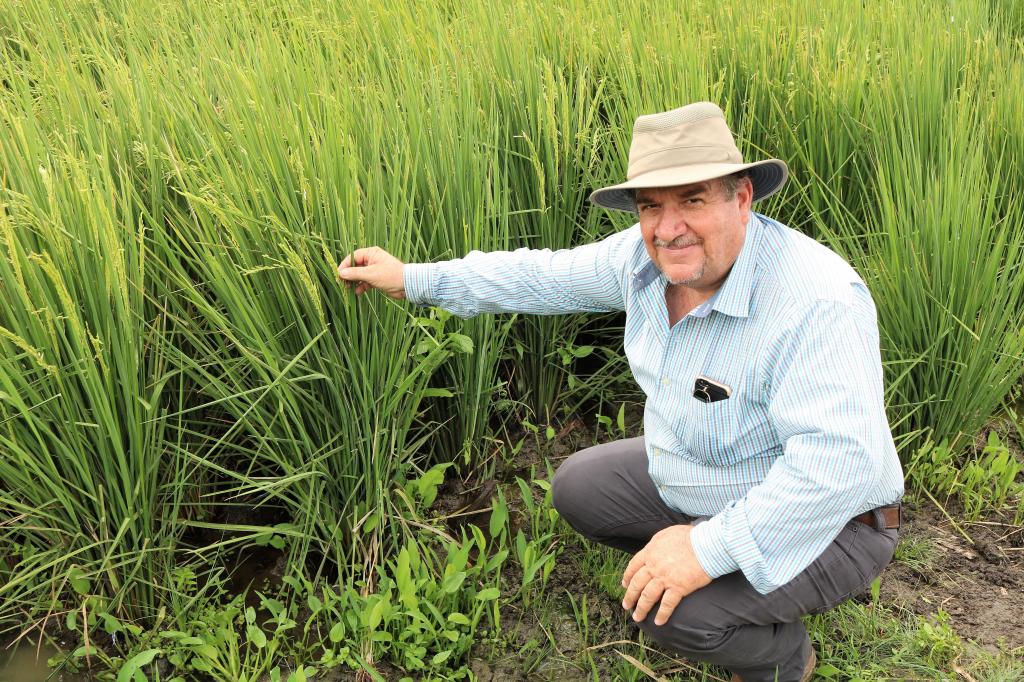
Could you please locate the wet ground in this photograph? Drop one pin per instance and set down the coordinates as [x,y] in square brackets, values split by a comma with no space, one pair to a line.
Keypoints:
[26,662]
[978,581]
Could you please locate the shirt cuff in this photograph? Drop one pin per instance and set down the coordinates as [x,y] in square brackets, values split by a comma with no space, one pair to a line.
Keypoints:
[418,280]
[709,545]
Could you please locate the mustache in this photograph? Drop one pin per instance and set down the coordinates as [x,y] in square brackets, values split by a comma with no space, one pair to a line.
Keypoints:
[678,242]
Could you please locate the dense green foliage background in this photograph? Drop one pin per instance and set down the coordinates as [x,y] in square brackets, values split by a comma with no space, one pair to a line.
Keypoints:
[178,181]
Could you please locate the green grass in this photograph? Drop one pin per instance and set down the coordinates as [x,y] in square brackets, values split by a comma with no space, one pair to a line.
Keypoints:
[915,551]
[179,180]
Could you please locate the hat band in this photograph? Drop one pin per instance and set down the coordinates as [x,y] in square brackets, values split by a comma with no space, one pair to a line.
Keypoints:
[682,156]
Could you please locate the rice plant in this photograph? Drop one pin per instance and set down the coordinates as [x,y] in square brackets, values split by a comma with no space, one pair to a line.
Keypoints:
[182,375]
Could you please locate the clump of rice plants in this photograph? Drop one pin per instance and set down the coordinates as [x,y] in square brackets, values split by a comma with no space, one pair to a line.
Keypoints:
[181,375]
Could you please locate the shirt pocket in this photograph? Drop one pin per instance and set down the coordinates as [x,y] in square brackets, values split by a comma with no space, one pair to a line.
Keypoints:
[714,433]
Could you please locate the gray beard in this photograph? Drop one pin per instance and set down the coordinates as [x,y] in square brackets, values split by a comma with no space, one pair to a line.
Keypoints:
[688,280]
[679,241]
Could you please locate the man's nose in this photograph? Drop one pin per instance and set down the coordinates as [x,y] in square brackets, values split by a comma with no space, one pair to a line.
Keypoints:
[673,223]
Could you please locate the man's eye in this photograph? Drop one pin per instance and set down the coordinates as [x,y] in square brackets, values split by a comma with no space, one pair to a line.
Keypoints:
[694,201]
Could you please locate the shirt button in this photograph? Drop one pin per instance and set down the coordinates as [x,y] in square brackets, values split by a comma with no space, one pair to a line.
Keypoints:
[665,381]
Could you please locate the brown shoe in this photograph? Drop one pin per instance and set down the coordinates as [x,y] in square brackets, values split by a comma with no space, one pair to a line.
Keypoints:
[812,661]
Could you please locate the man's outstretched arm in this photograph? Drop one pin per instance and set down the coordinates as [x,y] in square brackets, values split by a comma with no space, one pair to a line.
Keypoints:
[588,278]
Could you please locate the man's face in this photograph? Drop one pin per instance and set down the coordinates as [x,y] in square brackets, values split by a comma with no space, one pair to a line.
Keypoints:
[694,233]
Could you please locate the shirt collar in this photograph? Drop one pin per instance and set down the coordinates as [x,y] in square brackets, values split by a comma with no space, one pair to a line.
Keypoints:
[733,297]
[646,273]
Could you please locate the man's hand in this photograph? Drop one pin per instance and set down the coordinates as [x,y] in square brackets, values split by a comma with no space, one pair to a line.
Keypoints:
[665,569]
[373,268]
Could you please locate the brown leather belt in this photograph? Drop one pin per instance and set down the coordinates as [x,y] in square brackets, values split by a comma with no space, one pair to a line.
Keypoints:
[891,515]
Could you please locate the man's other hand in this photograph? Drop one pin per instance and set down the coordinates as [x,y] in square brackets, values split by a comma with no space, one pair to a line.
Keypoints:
[375,268]
[666,569]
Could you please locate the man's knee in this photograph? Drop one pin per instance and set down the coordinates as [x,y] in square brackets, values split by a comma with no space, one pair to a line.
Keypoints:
[683,636]
[593,474]
[568,487]
[699,623]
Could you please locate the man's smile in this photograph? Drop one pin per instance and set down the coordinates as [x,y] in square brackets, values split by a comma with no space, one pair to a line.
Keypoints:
[677,245]
[682,248]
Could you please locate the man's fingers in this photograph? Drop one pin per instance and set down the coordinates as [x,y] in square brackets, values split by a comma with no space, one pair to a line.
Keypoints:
[349,261]
[361,258]
[649,597]
[634,565]
[376,269]
[358,273]
[669,601]
[636,586]
[366,256]
[351,272]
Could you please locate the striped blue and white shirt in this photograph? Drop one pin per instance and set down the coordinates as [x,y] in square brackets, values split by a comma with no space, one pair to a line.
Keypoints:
[802,444]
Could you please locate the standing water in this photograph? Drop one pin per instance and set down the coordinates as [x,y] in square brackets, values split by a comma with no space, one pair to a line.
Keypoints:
[23,662]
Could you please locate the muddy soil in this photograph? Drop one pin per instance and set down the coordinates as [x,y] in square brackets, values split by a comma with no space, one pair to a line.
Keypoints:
[980,584]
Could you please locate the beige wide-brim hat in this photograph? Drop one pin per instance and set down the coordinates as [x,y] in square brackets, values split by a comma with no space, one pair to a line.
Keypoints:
[686,145]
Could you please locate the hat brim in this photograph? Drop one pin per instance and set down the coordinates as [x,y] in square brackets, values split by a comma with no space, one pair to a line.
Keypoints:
[767,177]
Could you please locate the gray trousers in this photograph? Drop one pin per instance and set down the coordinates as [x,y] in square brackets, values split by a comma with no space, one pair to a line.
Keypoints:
[606,494]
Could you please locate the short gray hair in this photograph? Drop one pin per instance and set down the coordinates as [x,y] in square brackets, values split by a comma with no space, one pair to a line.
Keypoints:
[731,182]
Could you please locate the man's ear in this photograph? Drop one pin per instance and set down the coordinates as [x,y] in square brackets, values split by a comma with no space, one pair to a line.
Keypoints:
[745,197]
[745,192]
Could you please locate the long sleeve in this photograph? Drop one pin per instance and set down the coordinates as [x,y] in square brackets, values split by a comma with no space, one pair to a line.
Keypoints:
[826,405]
[589,278]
